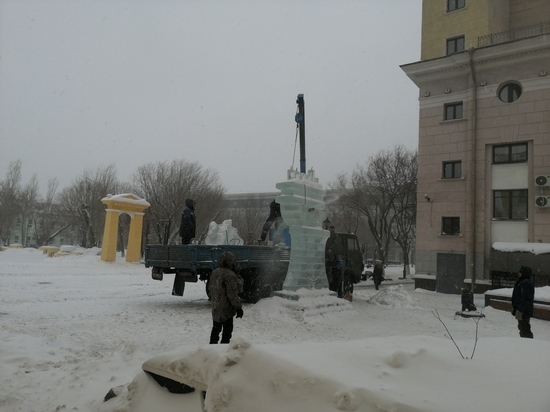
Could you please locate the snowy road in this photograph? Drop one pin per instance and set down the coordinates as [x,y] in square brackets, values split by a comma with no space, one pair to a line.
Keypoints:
[79,323]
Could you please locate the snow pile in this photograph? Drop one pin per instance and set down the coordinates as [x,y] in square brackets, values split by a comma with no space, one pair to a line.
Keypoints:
[387,374]
[542,294]
[77,250]
[308,305]
[393,297]
[535,248]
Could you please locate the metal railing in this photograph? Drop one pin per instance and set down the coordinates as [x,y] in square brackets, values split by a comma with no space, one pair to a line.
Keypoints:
[521,33]
[508,279]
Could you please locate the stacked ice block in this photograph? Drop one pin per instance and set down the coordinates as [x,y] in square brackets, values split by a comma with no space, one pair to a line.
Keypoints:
[303,209]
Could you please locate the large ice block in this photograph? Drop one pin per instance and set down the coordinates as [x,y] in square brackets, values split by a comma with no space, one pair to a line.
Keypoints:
[303,209]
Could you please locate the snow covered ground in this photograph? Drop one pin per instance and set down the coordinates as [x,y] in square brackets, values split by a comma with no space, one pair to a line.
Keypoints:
[74,327]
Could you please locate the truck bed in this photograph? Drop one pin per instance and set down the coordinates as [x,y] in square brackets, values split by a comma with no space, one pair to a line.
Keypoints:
[196,257]
[262,268]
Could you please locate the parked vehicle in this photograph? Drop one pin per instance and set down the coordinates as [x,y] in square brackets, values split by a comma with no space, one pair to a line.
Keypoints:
[263,268]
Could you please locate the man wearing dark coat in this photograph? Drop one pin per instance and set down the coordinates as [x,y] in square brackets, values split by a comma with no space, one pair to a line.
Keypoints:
[274,218]
[188,222]
[378,273]
[523,298]
[224,287]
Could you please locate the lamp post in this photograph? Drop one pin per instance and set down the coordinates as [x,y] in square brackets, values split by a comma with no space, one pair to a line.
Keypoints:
[326,223]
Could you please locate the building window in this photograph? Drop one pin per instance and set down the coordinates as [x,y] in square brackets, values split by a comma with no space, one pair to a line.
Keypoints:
[456,44]
[510,204]
[452,170]
[509,92]
[453,111]
[510,153]
[455,4]
[450,226]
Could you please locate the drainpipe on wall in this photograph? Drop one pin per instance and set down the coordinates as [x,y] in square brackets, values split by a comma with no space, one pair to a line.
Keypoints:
[473,195]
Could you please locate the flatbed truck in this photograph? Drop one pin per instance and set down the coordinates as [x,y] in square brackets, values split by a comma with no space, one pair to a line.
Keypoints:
[262,268]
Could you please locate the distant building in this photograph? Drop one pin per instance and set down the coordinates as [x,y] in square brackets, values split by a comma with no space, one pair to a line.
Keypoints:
[484,138]
[246,200]
[41,228]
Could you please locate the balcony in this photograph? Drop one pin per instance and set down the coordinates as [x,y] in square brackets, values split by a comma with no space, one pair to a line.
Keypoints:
[516,34]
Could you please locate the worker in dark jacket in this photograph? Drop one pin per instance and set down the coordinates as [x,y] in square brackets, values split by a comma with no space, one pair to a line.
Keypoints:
[224,287]
[523,298]
[275,218]
[188,222]
[378,273]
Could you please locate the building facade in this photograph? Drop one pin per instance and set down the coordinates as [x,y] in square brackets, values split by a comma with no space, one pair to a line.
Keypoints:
[484,138]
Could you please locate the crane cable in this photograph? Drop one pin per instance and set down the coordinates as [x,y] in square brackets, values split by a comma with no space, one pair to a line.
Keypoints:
[295,142]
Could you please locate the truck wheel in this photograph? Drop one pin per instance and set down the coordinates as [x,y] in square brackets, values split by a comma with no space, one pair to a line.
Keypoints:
[349,277]
[266,292]
[251,293]
[253,296]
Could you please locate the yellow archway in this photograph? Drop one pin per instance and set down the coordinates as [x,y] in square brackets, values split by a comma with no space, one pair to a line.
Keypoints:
[134,207]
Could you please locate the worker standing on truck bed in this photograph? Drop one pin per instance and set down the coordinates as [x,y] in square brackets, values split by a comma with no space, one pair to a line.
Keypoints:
[275,218]
[188,222]
[224,287]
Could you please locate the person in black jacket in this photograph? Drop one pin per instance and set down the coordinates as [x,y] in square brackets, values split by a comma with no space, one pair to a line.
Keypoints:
[523,298]
[224,287]
[188,222]
[378,273]
[274,218]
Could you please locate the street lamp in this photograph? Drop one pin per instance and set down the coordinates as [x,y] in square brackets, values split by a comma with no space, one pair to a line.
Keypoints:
[326,223]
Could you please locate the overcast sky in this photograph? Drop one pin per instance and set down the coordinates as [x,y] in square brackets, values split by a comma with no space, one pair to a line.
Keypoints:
[86,83]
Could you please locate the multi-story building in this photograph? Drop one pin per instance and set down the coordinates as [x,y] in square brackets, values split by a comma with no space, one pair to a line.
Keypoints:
[42,228]
[484,141]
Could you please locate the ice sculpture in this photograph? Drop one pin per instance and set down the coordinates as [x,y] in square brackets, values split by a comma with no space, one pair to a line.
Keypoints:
[303,209]
[223,234]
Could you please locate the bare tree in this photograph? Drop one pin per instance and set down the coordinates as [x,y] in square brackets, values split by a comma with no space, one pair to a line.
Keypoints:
[29,200]
[10,188]
[248,219]
[166,186]
[404,230]
[47,221]
[381,191]
[81,202]
[344,217]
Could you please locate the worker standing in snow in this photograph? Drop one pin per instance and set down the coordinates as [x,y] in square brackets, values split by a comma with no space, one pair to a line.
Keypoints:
[224,287]
[523,298]
[378,273]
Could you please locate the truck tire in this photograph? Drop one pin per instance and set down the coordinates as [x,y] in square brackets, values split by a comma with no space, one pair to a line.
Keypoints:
[349,280]
[266,291]
[345,285]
